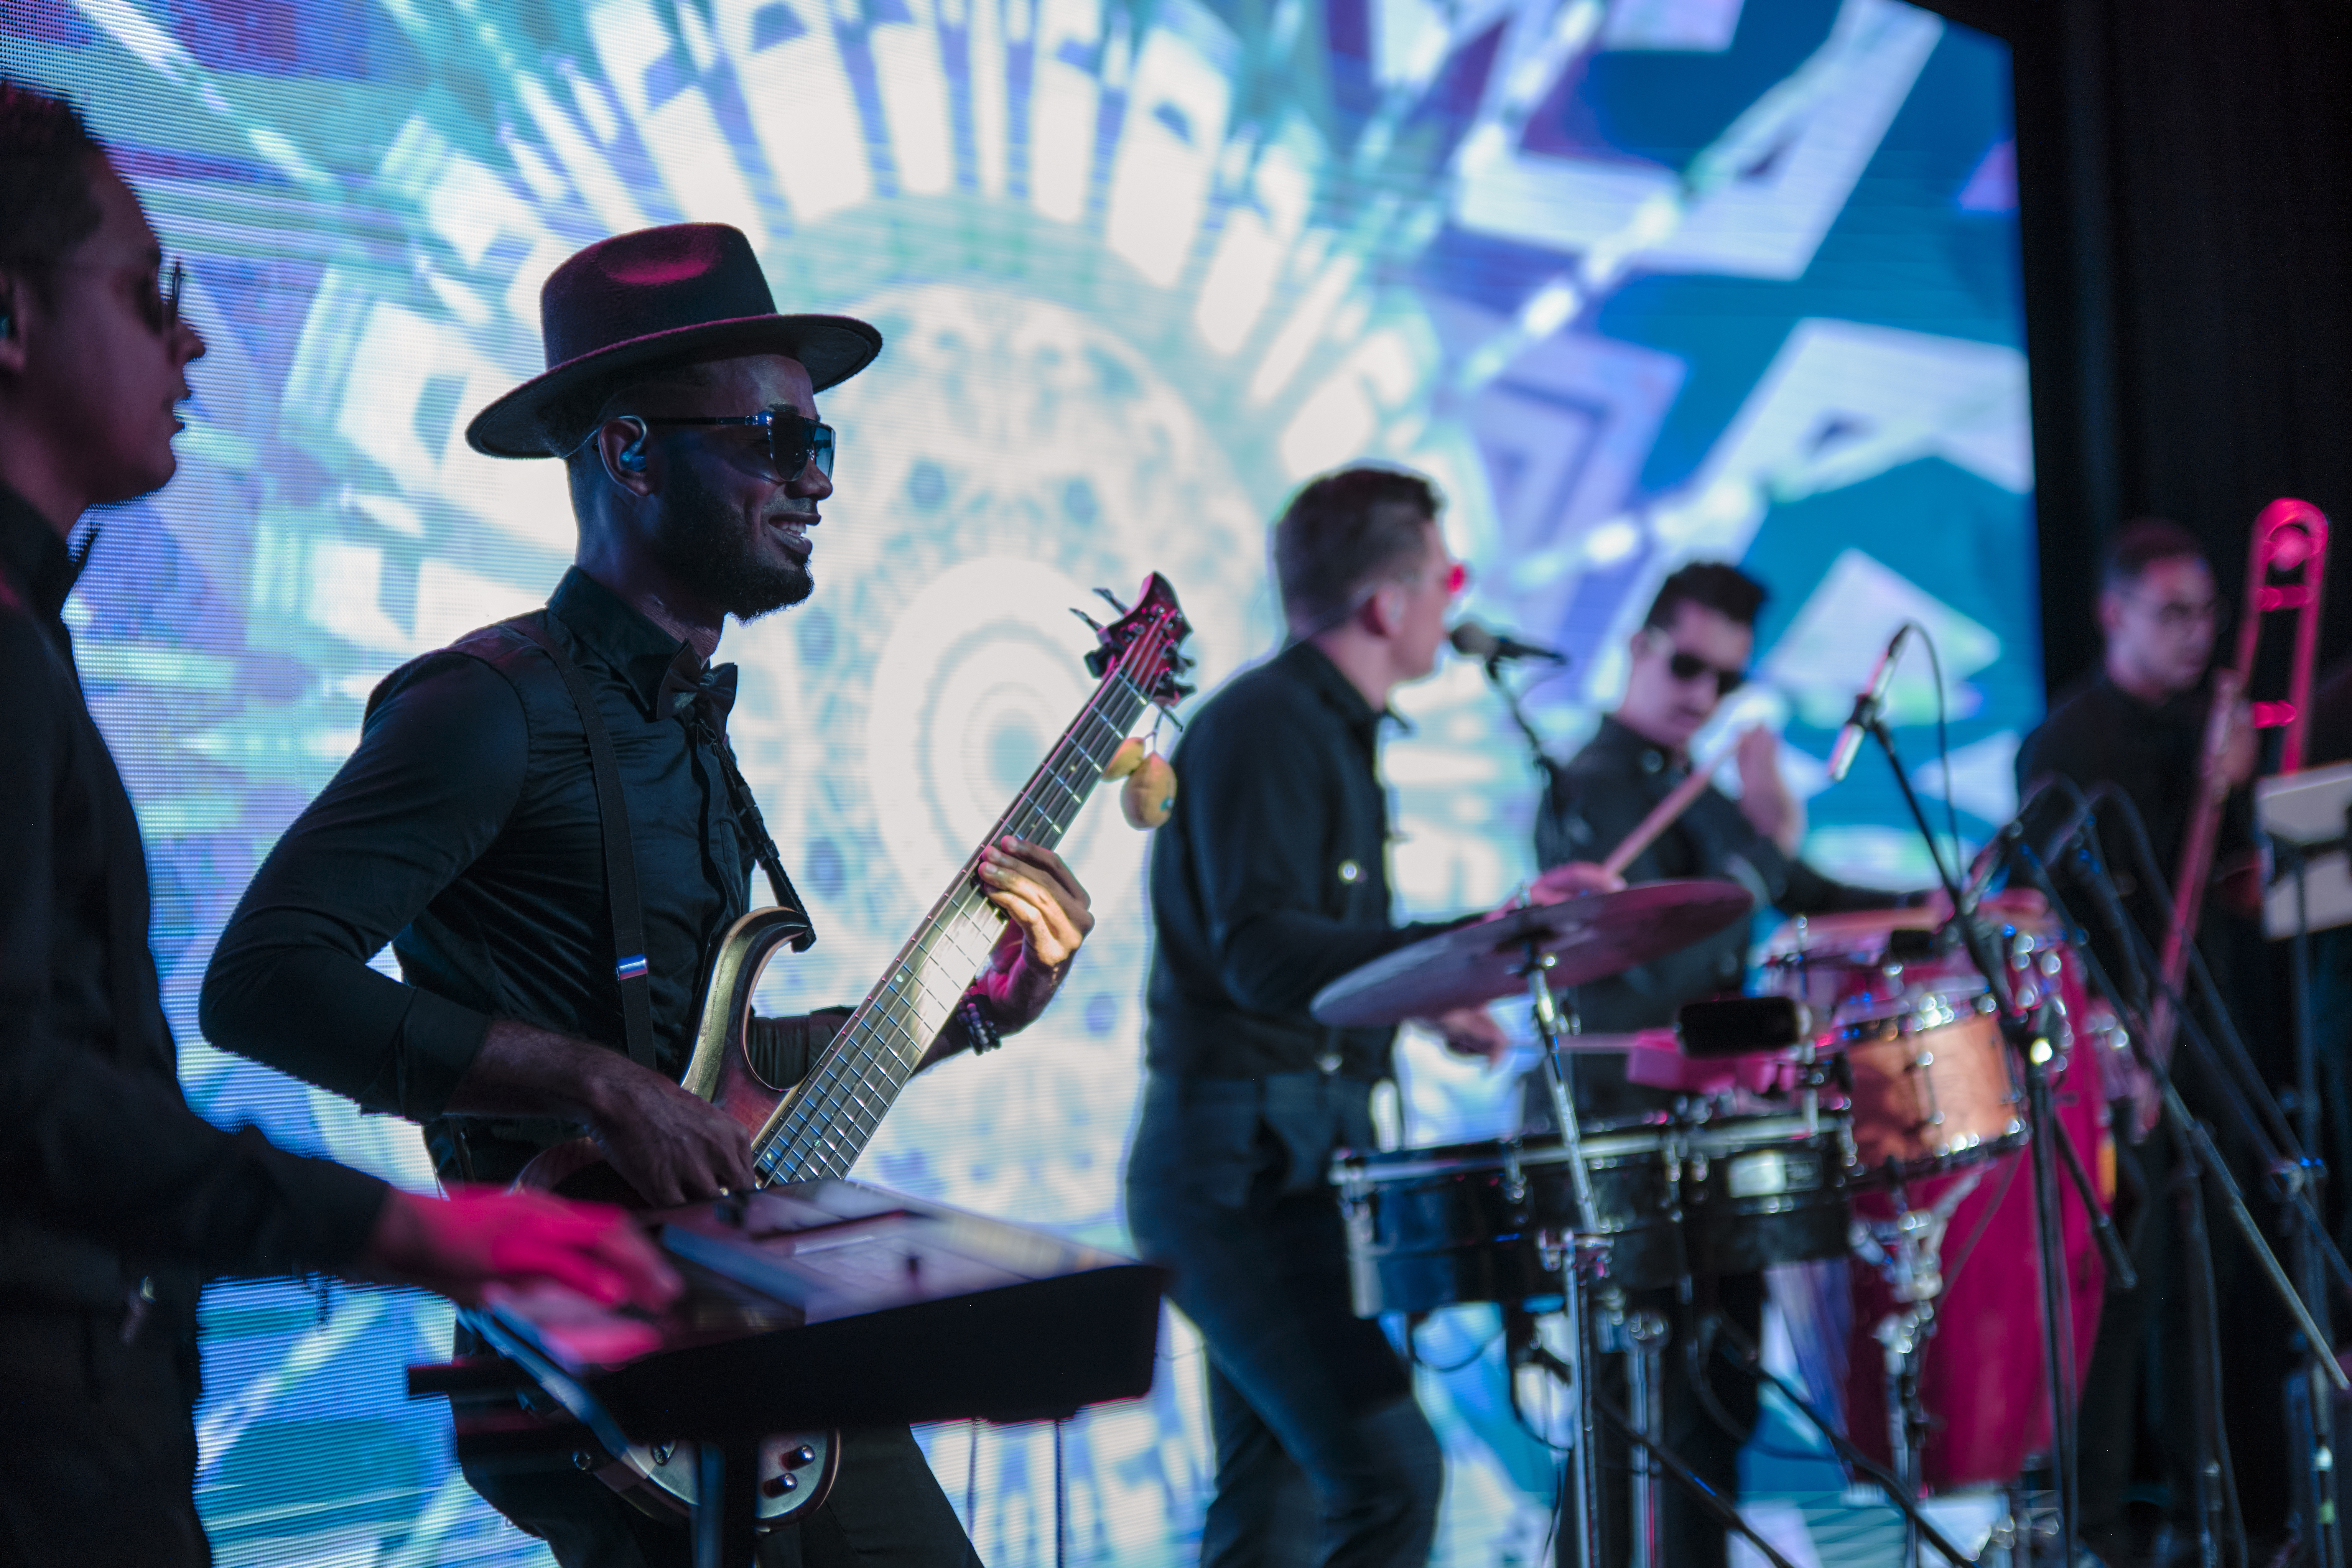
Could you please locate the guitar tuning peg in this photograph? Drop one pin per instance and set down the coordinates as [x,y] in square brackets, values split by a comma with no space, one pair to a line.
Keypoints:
[1091,621]
[1113,600]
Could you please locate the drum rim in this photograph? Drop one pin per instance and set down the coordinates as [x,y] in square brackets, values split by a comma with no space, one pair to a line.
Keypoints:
[1617,1138]
[1905,1015]
[1867,1177]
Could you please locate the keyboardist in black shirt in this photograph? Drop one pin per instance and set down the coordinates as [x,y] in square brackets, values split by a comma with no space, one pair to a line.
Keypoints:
[116,1199]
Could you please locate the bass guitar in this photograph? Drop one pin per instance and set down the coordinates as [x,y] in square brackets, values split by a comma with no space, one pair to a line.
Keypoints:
[818,1127]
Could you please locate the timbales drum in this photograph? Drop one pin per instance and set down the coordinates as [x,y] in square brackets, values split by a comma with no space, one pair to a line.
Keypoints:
[1488,1222]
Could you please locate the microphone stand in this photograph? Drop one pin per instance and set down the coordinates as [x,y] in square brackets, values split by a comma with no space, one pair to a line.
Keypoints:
[1494,668]
[2032,1051]
[2206,1169]
[2282,1151]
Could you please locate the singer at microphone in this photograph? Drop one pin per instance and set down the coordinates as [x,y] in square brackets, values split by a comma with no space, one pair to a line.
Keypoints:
[1474,641]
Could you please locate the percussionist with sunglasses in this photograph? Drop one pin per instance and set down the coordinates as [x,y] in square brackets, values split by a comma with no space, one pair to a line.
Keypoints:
[469,828]
[1691,652]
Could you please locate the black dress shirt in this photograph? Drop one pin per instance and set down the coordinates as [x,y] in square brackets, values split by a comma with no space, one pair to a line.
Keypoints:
[2329,737]
[1598,796]
[1271,880]
[464,831]
[2099,734]
[107,1178]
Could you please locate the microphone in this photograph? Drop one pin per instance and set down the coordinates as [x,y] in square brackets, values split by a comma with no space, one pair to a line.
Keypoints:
[1987,863]
[1865,707]
[1476,641]
[2056,843]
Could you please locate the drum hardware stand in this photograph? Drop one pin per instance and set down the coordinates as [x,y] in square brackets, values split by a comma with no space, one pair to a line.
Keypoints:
[1585,1258]
[1745,1354]
[1639,1336]
[2031,1052]
[2207,1174]
[1526,1351]
[1584,1261]
[1908,1251]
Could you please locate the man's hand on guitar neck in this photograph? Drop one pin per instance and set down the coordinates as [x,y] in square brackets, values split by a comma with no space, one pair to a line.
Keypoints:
[672,1146]
[1048,915]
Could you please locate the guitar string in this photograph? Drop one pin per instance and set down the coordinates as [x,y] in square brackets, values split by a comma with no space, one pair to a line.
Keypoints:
[961,909]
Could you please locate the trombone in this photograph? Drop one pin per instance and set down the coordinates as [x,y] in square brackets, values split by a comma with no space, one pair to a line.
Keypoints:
[2286,568]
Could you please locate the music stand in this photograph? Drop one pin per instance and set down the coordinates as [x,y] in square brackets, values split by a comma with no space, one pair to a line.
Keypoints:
[2305,812]
[2309,888]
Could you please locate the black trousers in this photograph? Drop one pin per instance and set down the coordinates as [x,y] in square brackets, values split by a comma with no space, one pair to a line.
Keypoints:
[1324,1460]
[98,1445]
[2137,1417]
[1706,1432]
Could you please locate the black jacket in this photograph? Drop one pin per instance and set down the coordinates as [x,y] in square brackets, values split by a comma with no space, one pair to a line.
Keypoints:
[1271,880]
[1593,802]
[107,1178]
[464,831]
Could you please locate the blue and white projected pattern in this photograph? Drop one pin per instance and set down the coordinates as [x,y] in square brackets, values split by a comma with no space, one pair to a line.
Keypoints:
[1638,282]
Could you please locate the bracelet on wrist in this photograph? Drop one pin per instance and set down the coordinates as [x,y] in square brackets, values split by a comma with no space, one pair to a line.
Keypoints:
[976,1027]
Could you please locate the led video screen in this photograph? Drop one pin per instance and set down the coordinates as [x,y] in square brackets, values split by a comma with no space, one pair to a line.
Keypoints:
[1638,282]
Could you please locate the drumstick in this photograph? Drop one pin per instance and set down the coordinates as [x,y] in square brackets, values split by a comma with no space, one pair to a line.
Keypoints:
[1663,814]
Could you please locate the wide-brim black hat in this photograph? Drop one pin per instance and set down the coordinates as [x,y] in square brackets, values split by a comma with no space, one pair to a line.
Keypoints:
[637,302]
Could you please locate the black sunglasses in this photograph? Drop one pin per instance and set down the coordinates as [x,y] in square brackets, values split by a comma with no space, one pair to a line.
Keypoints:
[1689,666]
[794,440]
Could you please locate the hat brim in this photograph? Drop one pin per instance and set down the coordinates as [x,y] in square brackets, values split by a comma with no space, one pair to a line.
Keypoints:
[540,418]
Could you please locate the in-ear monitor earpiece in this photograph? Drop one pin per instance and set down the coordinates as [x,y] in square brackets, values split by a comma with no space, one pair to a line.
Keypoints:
[632,458]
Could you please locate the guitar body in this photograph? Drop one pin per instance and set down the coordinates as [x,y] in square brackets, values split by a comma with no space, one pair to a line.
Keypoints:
[796,1468]
[818,1127]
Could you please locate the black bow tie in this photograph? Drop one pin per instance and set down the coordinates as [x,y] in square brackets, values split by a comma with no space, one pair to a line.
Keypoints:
[687,692]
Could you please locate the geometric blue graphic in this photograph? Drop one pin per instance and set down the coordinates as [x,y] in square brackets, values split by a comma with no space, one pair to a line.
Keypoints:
[1637,282]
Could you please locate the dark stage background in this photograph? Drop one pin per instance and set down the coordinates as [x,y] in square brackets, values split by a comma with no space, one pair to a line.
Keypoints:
[2182,171]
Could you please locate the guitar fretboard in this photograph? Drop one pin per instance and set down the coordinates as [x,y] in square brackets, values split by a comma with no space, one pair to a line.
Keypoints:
[824,1124]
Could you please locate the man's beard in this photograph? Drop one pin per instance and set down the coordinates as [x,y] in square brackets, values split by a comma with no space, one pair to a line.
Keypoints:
[705,547]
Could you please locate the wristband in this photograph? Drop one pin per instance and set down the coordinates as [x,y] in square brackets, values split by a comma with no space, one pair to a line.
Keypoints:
[976,1025]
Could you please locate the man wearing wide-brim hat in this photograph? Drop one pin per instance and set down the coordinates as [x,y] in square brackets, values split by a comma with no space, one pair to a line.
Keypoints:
[545,821]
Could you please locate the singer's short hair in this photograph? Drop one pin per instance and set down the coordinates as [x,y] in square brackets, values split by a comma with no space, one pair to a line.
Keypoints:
[47,203]
[1713,585]
[1343,532]
[2140,544]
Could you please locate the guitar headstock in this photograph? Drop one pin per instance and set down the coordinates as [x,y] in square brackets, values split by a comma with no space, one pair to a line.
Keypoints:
[1146,644]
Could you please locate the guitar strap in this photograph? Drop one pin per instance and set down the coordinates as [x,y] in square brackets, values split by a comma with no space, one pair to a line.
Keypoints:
[629,969]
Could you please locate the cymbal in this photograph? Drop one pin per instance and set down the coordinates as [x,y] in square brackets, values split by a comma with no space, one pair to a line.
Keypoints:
[1591,938]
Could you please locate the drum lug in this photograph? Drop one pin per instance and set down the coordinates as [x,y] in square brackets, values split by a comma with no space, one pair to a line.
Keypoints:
[1514,1176]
